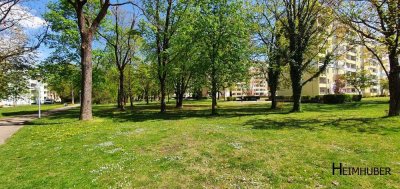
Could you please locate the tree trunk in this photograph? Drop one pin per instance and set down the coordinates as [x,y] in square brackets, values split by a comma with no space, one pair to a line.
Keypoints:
[179,100]
[121,97]
[214,95]
[273,99]
[180,92]
[273,81]
[163,104]
[131,99]
[394,85]
[72,97]
[86,63]
[295,75]
[146,93]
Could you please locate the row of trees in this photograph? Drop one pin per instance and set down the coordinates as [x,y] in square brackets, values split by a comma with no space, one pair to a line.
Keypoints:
[298,34]
[181,44]
[218,37]
[152,48]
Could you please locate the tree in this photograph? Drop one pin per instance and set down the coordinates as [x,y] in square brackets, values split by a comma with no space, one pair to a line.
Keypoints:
[13,40]
[13,83]
[105,75]
[273,49]
[61,77]
[88,23]
[122,37]
[130,82]
[63,37]
[384,85]
[339,84]
[377,23]
[146,81]
[224,32]
[307,25]
[359,80]
[186,64]
[8,17]
[163,19]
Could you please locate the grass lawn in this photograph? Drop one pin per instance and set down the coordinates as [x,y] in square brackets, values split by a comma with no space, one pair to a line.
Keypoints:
[246,146]
[25,109]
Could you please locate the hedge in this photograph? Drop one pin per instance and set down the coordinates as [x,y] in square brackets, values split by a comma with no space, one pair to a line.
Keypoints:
[327,99]
[337,98]
[357,98]
[231,98]
[251,98]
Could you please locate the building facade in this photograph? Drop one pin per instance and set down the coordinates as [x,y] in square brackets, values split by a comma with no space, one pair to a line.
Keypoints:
[354,59]
[31,97]
[256,86]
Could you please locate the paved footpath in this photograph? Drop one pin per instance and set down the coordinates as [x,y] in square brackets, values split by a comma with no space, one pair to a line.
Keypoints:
[10,125]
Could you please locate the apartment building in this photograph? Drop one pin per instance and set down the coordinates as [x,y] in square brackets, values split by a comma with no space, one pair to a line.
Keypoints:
[34,87]
[256,86]
[354,59]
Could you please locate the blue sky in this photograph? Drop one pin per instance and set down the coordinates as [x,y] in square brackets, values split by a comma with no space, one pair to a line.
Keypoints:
[37,8]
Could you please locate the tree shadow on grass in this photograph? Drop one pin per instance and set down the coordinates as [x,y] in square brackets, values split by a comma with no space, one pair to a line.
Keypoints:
[142,113]
[356,125]
[19,113]
[317,107]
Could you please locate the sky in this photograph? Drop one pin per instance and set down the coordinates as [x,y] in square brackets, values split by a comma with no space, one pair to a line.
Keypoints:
[36,24]
[37,8]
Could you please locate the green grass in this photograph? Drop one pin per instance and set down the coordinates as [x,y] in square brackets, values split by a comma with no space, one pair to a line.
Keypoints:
[246,146]
[25,109]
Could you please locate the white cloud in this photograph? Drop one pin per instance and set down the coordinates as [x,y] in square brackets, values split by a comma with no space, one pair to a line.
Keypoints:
[26,18]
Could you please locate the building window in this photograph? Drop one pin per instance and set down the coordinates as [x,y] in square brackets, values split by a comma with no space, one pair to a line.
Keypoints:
[322,80]
[349,57]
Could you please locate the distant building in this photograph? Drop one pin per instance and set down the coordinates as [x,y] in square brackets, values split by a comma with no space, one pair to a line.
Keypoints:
[32,95]
[256,86]
[354,59]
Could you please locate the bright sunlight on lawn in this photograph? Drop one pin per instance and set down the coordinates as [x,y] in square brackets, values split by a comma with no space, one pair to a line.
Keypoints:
[246,146]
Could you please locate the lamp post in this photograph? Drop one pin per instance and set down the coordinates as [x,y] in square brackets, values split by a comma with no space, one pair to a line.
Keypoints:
[39,96]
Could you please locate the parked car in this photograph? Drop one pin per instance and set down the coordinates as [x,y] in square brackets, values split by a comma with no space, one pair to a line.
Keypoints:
[48,101]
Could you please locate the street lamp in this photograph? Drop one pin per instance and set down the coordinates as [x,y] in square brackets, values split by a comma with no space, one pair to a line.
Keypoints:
[39,96]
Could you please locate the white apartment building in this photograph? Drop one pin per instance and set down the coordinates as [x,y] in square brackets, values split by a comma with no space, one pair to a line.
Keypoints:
[32,95]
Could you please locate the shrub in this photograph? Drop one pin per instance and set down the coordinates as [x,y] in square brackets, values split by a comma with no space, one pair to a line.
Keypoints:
[251,98]
[229,98]
[337,99]
[279,105]
[306,99]
[357,98]
[283,98]
[317,99]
